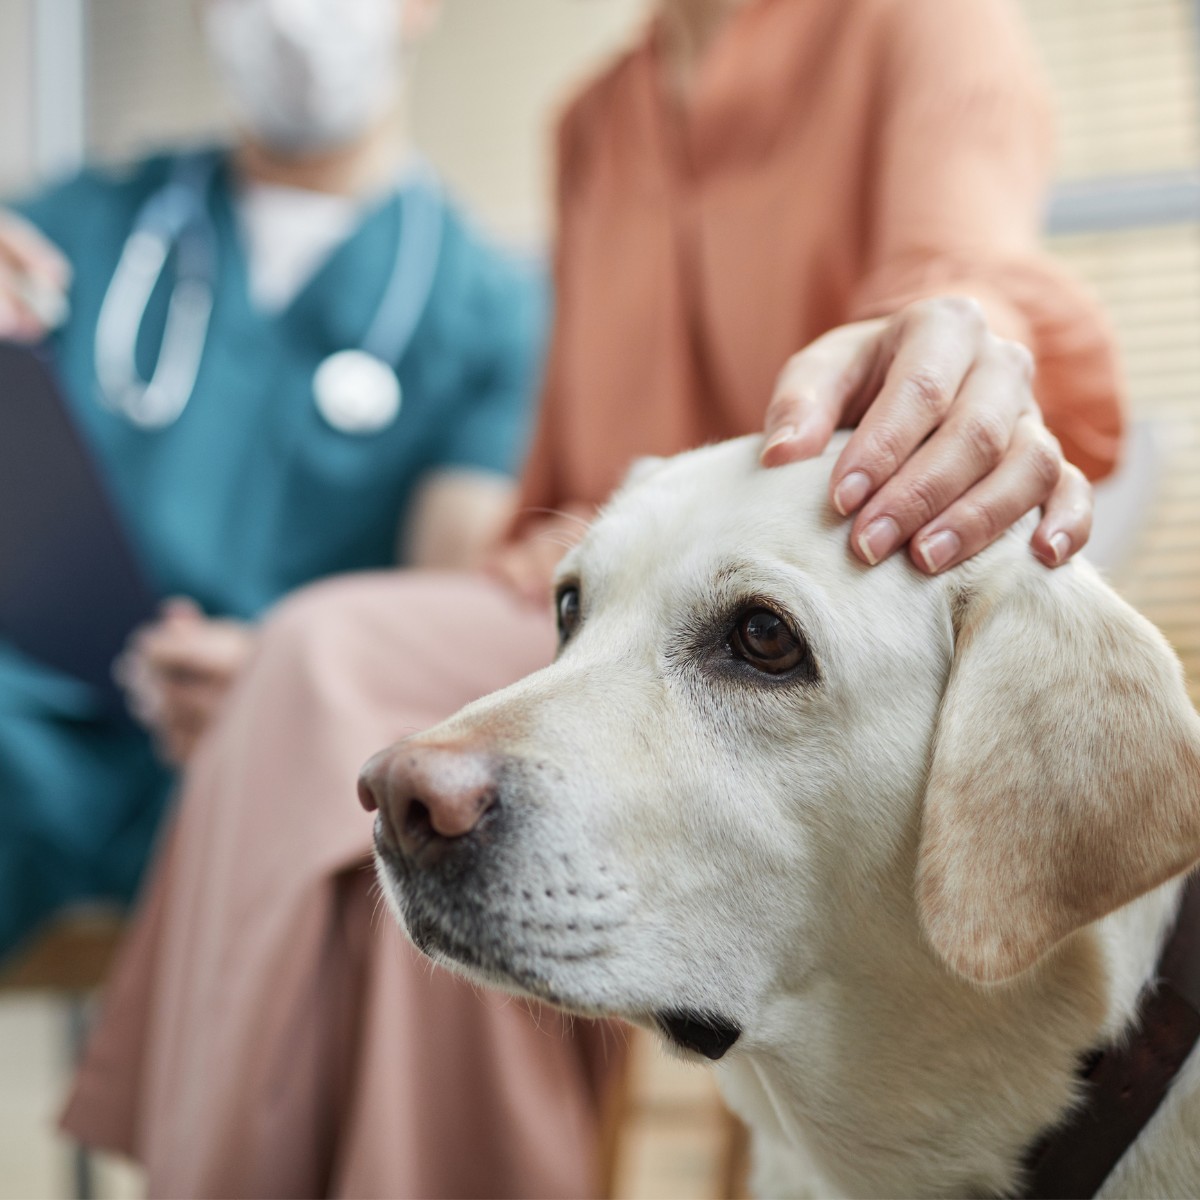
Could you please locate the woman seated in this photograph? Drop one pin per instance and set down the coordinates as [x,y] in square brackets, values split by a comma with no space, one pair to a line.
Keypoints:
[347,365]
[748,179]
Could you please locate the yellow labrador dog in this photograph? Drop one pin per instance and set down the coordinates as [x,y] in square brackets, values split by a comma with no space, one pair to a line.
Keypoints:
[900,851]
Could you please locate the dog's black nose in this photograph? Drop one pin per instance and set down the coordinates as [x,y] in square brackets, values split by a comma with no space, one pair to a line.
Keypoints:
[428,795]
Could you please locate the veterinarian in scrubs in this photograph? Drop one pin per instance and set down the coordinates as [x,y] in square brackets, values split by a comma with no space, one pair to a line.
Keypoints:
[330,358]
[749,178]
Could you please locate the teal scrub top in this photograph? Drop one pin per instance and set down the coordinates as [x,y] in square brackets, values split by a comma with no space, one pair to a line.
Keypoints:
[250,493]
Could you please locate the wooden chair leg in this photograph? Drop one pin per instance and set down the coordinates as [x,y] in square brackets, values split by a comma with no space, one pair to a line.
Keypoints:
[618,1103]
[735,1159]
[82,1170]
[67,961]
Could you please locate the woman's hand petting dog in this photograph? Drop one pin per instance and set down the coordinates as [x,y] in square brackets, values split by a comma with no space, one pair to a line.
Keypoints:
[950,449]
[527,564]
[177,671]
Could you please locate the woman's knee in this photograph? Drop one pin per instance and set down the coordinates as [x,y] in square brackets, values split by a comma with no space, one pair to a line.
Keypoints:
[330,627]
[356,638]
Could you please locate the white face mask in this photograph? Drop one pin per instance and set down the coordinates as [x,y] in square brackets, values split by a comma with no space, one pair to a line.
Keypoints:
[306,75]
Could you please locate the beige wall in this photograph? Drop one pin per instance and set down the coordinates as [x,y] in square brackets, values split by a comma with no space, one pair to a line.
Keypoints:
[1123,70]
[16,115]
[150,83]
[484,89]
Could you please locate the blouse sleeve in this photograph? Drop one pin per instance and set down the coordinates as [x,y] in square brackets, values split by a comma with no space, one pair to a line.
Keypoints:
[960,166]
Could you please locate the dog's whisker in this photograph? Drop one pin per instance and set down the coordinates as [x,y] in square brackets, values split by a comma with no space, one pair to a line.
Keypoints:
[379,912]
[556,539]
[534,1009]
[558,512]
[619,1033]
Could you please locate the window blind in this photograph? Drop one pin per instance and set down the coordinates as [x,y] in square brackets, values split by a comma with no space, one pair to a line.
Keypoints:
[149,83]
[1126,79]
[1124,76]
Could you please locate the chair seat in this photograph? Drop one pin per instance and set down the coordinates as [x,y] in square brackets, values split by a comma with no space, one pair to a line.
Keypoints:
[70,954]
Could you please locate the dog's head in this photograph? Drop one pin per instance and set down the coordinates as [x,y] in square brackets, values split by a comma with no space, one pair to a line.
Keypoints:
[749,742]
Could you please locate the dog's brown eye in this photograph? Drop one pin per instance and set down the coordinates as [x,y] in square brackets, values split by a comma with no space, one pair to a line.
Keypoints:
[765,641]
[568,611]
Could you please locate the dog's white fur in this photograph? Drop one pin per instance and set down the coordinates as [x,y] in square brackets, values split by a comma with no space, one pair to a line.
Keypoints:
[922,887]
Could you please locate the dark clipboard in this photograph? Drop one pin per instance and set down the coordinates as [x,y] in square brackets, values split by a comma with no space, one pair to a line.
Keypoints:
[71,586]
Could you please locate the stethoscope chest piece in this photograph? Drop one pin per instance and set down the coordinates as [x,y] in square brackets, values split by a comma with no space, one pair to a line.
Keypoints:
[356,392]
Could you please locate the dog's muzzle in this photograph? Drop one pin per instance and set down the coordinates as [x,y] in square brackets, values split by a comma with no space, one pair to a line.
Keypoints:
[473,879]
[430,799]
[441,837]
[476,881]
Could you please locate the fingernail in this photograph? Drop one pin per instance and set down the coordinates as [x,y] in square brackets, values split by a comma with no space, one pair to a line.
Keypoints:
[938,549]
[851,492]
[785,433]
[1060,546]
[879,539]
[812,424]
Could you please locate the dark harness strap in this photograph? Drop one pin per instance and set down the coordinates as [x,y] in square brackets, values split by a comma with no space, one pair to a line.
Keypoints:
[1124,1084]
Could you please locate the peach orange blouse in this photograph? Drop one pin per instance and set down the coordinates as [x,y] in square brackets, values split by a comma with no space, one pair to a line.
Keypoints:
[838,158]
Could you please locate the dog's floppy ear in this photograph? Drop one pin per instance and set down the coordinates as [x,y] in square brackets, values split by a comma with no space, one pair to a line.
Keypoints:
[1065,778]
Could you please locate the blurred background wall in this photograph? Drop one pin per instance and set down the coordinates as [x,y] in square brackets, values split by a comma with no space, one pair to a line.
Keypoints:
[486,85]
[16,92]
[114,77]
[1126,219]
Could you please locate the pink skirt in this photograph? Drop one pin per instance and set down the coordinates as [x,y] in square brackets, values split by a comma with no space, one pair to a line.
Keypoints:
[268,1030]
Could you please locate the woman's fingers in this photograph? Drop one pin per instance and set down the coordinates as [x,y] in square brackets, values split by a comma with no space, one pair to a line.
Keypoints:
[34,276]
[949,449]
[971,444]
[527,566]
[177,671]
[189,707]
[177,742]
[26,251]
[28,309]
[170,650]
[176,746]
[138,680]
[190,703]
[814,389]
[937,344]
[1027,477]
[195,645]
[1066,522]
[181,608]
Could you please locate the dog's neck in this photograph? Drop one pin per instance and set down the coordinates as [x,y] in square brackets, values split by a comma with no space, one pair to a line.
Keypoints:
[892,1077]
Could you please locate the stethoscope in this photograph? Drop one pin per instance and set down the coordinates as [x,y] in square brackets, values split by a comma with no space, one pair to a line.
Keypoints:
[355,390]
